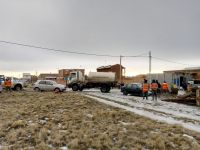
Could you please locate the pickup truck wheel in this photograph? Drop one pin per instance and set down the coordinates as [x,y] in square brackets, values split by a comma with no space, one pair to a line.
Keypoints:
[75,87]
[104,89]
[18,87]
[37,89]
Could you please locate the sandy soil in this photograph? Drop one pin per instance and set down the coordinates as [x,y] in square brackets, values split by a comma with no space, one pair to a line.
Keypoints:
[31,120]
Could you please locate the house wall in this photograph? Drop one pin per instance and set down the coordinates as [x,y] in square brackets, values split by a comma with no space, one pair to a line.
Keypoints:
[114,68]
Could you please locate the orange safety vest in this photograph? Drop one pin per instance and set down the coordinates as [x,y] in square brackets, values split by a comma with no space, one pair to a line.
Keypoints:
[145,87]
[165,86]
[154,86]
[7,83]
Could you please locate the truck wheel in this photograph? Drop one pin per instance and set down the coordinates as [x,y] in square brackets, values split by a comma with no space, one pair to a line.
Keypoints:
[108,89]
[18,87]
[104,89]
[75,87]
[80,88]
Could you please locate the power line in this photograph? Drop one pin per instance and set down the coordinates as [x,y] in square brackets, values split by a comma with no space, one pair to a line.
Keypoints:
[170,61]
[64,51]
[56,50]
[90,54]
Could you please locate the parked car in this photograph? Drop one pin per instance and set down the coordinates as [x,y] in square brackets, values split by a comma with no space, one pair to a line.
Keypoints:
[133,89]
[48,85]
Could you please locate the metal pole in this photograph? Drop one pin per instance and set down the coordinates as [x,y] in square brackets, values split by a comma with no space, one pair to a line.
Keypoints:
[150,61]
[120,72]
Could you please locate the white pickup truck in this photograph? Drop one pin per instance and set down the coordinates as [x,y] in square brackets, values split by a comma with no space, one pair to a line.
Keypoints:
[16,83]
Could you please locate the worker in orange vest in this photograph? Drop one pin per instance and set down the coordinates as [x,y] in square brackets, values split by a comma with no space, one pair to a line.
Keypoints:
[8,84]
[165,87]
[154,87]
[145,89]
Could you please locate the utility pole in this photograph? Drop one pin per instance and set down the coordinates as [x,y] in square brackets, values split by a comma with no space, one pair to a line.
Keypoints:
[150,60]
[120,72]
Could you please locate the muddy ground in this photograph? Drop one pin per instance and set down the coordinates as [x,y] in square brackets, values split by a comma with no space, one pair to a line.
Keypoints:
[30,120]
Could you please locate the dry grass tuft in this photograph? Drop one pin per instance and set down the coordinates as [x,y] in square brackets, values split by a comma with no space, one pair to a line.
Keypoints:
[19,124]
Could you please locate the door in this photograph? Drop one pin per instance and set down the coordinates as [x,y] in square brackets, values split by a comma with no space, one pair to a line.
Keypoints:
[42,85]
[49,86]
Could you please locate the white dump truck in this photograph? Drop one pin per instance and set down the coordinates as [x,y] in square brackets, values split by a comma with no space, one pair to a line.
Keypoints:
[103,80]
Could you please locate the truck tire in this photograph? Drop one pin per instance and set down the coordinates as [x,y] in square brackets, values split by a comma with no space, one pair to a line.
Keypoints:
[80,88]
[108,89]
[104,89]
[75,87]
[18,87]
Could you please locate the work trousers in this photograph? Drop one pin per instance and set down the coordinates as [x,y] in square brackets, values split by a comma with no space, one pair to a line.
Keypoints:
[145,95]
[154,94]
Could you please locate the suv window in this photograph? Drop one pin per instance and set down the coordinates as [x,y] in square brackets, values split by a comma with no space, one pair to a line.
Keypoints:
[42,82]
[128,85]
[134,86]
[49,83]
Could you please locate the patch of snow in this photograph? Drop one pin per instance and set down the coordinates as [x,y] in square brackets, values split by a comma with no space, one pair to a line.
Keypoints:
[64,148]
[189,137]
[125,123]
[149,114]
[89,115]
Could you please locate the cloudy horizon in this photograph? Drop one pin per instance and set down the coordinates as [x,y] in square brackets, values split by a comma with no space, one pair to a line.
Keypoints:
[167,28]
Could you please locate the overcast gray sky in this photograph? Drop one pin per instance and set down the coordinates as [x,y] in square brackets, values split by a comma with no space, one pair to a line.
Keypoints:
[169,28]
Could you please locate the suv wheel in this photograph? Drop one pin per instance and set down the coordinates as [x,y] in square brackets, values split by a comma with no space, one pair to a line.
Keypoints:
[125,93]
[37,89]
[57,90]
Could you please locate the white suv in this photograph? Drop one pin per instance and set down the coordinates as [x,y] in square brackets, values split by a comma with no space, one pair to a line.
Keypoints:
[48,85]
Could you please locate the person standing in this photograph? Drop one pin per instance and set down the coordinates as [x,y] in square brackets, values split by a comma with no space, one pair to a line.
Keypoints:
[1,88]
[8,84]
[159,87]
[154,87]
[165,87]
[145,89]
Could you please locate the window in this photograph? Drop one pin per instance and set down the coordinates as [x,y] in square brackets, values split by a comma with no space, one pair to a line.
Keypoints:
[49,83]
[42,82]
[134,86]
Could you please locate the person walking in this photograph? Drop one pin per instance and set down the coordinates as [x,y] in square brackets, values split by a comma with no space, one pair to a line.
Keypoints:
[145,89]
[8,84]
[154,87]
[165,87]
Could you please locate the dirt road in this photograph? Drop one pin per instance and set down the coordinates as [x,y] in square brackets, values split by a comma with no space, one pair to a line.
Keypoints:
[30,120]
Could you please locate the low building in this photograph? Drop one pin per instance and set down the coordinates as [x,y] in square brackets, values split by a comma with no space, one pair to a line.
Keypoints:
[180,77]
[48,76]
[113,68]
[27,76]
